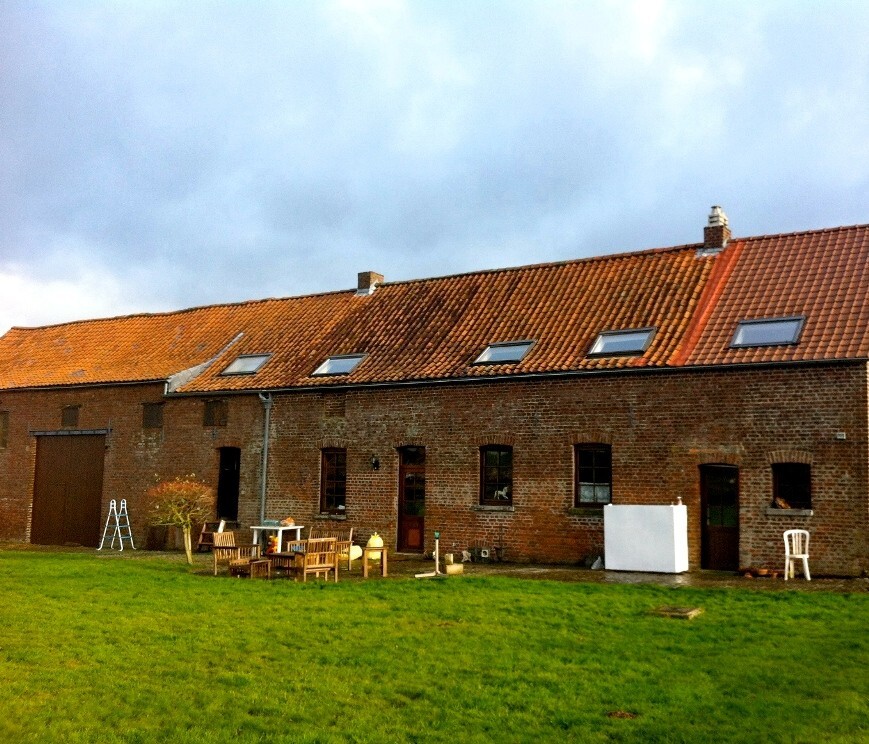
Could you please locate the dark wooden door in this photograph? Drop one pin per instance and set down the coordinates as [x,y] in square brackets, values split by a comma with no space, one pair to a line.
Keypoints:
[68,490]
[719,505]
[411,499]
[227,483]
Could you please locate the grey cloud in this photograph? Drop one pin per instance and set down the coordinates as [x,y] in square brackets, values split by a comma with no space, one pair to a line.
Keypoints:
[207,152]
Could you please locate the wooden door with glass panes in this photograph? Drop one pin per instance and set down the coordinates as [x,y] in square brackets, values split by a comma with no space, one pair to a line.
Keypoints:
[411,499]
[719,508]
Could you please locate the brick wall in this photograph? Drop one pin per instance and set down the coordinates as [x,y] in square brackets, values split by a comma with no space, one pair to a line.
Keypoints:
[135,457]
[661,426]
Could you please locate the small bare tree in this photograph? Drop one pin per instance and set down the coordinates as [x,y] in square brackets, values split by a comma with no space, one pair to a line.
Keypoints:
[180,502]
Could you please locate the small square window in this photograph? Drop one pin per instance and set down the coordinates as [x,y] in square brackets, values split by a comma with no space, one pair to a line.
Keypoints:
[247,364]
[496,475]
[216,413]
[69,416]
[768,332]
[152,415]
[504,353]
[622,343]
[791,485]
[339,365]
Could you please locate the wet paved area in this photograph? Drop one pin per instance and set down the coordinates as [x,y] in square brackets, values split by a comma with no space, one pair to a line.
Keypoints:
[402,565]
[406,566]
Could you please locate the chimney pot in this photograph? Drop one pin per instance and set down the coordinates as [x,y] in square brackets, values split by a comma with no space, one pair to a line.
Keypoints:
[716,234]
[367,281]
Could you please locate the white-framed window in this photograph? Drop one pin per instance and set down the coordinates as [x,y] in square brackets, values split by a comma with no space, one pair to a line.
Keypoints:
[768,332]
[247,364]
[629,342]
[508,352]
[342,364]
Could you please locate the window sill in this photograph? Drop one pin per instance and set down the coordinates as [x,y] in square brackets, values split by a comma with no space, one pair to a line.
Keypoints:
[586,511]
[330,517]
[772,511]
[492,508]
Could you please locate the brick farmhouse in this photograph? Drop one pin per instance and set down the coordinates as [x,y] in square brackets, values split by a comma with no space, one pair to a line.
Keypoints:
[503,408]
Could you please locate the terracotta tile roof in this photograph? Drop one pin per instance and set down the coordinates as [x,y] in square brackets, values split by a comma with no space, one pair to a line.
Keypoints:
[435,328]
[822,275]
[140,348]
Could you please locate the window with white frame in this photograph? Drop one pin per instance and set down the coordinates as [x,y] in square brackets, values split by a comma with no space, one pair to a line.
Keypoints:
[339,365]
[630,342]
[768,332]
[246,364]
[504,353]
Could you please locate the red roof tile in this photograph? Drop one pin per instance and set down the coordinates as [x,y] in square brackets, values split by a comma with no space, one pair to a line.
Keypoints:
[822,275]
[435,328]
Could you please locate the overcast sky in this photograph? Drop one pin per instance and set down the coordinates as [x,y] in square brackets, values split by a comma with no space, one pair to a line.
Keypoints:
[156,156]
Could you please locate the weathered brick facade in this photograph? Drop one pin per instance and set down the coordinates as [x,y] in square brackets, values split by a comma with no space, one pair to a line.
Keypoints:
[662,425]
[714,373]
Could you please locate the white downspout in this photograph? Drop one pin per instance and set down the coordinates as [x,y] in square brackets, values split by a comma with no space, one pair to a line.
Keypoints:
[266,399]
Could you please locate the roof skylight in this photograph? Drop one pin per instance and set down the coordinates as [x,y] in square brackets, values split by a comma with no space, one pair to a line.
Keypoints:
[339,365]
[247,364]
[504,353]
[768,332]
[622,343]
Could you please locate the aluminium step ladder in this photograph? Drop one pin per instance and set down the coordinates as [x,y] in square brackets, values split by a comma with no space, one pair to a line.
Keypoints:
[118,521]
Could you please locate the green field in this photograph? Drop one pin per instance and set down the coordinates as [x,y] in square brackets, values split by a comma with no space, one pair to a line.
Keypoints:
[144,649]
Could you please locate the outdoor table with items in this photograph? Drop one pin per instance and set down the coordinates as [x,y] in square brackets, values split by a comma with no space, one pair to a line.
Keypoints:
[279,529]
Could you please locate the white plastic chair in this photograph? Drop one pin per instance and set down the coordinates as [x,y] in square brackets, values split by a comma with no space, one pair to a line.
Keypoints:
[796,548]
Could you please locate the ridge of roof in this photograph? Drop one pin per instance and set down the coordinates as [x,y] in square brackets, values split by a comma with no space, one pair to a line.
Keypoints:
[549,264]
[797,233]
[182,311]
[621,255]
[423,280]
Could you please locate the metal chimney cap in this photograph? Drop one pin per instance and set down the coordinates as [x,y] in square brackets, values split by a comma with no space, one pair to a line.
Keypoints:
[717,218]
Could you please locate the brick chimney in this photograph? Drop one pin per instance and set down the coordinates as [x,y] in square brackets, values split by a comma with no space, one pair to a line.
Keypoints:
[717,232]
[368,280]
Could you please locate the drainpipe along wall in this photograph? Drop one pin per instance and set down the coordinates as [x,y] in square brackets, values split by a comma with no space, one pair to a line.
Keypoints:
[266,399]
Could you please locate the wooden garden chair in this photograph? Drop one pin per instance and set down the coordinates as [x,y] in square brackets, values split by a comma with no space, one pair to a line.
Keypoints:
[206,536]
[225,550]
[319,558]
[345,542]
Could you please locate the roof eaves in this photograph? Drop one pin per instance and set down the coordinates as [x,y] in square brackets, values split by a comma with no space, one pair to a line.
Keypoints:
[525,376]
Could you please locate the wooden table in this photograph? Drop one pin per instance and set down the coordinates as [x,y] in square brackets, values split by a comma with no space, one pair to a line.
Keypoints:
[253,568]
[280,529]
[283,561]
[366,552]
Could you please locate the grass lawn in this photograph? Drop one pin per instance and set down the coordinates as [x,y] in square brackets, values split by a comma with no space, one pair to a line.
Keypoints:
[142,649]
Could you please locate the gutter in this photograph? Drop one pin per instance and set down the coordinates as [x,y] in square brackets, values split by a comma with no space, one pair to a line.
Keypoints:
[528,376]
[266,399]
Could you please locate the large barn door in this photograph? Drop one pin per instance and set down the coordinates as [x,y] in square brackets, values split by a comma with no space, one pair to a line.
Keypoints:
[68,490]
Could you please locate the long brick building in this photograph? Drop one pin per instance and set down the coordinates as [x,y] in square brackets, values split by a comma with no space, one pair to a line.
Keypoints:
[503,408]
